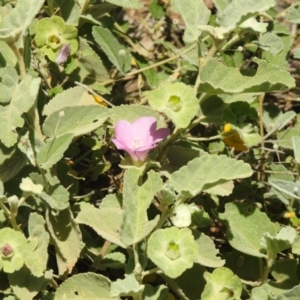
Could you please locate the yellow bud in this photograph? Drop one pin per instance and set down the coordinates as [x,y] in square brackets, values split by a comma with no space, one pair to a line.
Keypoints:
[99,100]
[289,214]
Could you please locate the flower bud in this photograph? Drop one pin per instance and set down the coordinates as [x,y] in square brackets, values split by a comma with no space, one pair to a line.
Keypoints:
[7,251]
[63,54]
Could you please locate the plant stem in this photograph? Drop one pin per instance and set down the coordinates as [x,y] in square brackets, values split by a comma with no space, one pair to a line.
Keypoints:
[105,248]
[50,7]
[168,142]
[261,130]
[267,269]
[92,92]
[154,270]
[138,268]
[20,59]
[215,137]
[135,72]
[203,61]
[11,217]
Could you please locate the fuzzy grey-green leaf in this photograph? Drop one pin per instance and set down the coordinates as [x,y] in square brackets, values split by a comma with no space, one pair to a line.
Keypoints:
[23,99]
[194,14]
[216,78]
[67,238]
[18,19]
[239,11]
[133,4]
[136,200]
[71,97]
[117,53]
[211,170]
[77,120]
[106,220]
[246,226]
[53,150]
[85,286]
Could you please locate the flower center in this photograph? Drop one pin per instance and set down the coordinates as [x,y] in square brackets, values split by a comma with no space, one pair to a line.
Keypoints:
[137,143]
[172,251]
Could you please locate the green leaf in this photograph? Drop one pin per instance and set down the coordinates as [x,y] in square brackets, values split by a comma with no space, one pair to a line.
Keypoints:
[220,5]
[191,282]
[246,226]
[285,137]
[117,53]
[91,69]
[11,250]
[57,198]
[53,150]
[157,9]
[155,293]
[115,260]
[173,250]
[280,172]
[133,4]
[76,120]
[12,161]
[84,286]
[216,78]
[128,286]
[211,109]
[177,101]
[24,284]
[285,274]
[271,42]
[223,189]
[254,25]
[29,187]
[10,79]
[71,10]
[15,23]
[239,113]
[261,293]
[296,245]
[221,284]
[292,294]
[178,157]
[281,241]
[296,148]
[239,11]
[194,14]
[293,15]
[280,58]
[287,187]
[245,266]
[76,96]
[136,201]
[207,252]
[7,56]
[37,260]
[133,112]
[11,115]
[275,119]
[1,189]
[211,170]
[106,220]
[67,239]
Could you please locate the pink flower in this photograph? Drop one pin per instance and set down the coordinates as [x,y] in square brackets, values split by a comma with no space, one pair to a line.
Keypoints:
[139,137]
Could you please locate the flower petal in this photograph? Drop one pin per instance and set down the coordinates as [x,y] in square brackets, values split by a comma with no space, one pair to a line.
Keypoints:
[141,155]
[124,133]
[143,128]
[160,134]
